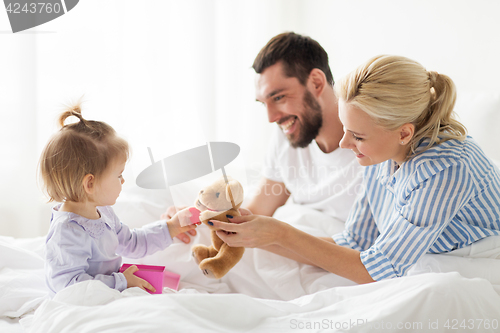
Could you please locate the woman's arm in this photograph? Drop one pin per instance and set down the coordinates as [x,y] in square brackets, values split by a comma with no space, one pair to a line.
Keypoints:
[281,238]
[292,255]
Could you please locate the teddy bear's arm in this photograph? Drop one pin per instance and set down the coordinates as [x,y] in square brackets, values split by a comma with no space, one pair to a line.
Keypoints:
[207,215]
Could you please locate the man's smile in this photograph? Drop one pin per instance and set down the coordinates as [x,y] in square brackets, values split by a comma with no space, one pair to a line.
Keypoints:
[286,125]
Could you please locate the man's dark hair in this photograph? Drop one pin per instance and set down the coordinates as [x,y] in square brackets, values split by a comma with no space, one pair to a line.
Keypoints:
[299,54]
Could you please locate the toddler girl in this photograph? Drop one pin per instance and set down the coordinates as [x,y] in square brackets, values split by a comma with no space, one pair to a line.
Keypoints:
[82,166]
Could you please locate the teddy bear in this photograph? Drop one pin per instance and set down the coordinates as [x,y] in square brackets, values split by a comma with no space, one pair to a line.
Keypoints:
[215,202]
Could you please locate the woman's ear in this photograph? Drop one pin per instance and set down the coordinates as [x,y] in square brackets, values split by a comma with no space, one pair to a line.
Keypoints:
[89,183]
[316,82]
[406,133]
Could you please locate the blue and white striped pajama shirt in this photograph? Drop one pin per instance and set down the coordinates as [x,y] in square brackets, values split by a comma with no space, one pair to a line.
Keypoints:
[440,200]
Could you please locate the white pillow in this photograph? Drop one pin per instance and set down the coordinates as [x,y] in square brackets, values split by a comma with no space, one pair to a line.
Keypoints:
[22,279]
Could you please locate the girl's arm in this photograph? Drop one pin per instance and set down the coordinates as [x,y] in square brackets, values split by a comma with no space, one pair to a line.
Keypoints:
[153,237]
[140,242]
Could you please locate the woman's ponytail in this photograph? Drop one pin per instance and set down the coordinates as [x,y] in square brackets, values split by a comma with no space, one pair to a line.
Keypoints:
[438,122]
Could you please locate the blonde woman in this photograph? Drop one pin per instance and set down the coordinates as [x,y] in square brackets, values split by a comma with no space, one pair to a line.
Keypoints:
[429,188]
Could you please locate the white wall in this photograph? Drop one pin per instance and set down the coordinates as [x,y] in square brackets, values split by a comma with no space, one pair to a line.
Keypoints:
[174,74]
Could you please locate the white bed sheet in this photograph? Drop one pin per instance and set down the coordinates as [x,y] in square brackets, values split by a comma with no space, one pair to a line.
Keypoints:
[262,293]
[414,302]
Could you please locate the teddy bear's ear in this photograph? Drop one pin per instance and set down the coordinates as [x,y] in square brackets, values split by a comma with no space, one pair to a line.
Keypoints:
[236,190]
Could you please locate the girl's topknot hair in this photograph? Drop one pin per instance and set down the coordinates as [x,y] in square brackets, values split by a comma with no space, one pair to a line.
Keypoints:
[76,150]
[74,110]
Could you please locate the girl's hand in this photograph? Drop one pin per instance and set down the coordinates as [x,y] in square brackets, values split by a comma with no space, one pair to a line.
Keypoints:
[134,281]
[174,224]
[170,212]
[250,231]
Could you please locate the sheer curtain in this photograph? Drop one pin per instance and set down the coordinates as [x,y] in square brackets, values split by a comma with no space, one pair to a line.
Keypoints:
[171,74]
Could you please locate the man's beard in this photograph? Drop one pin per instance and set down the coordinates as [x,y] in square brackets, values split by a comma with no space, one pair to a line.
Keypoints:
[311,122]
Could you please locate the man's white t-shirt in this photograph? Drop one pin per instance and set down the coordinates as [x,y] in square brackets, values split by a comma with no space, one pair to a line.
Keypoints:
[326,182]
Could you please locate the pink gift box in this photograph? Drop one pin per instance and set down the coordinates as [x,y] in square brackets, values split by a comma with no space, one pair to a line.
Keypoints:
[157,276]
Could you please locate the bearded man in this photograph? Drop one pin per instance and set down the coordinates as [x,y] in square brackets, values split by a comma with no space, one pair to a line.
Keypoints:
[295,84]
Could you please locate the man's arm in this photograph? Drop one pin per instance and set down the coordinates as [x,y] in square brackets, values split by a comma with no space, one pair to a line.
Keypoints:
[270,196]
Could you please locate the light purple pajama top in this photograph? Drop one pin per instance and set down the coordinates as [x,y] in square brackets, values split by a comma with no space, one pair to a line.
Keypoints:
[80,249]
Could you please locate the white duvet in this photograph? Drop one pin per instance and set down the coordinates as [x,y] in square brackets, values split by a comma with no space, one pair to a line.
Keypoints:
[262,293]
[414,303]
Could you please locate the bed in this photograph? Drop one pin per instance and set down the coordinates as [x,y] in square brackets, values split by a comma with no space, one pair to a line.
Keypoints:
[263,292]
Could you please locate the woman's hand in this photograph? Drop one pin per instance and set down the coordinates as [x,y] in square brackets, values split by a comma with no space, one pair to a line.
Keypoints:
[183,236]
[250,231]
[134,281]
